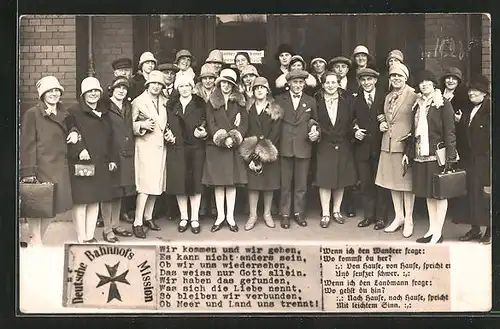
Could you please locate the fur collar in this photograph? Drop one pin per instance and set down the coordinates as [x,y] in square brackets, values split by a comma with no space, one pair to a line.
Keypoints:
[273,109]
[217,99]
[435,100]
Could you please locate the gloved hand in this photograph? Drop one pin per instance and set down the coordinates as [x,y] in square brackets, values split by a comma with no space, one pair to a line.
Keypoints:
[448,166]
[229,142]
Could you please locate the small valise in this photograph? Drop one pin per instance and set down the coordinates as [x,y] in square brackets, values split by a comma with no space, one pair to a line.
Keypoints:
[449,185]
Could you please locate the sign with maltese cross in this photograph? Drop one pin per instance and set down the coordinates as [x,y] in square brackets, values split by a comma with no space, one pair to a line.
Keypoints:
[100,276]
[112,279]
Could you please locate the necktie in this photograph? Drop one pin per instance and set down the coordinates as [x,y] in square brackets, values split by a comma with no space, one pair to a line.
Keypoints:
[369,102]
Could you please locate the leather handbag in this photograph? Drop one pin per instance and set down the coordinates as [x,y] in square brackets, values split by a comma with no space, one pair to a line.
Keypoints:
[447,185]
[84,170]
[37,200]
[441,155]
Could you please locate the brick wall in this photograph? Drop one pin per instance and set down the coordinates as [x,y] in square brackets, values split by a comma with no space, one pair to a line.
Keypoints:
[452,29]
[47,47]
[112,39]
[486,45]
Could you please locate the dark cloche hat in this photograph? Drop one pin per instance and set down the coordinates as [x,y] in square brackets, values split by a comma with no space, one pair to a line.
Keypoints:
[481,83]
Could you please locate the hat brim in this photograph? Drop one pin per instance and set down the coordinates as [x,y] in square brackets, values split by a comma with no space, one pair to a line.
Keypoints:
[480,87]
[208,75]
[219,79]
[451,75]
[160,82]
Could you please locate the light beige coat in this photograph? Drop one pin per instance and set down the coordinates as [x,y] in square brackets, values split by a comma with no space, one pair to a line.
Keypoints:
[150,149]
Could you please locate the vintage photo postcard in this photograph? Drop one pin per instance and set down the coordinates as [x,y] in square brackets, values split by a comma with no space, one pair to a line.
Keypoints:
[244,163]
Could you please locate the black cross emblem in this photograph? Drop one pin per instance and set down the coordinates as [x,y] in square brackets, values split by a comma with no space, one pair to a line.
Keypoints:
[112,279]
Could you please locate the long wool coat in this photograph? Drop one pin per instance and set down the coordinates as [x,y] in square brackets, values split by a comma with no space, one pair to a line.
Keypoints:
[186,157]
[477,164]
[150,150]
[223,166]
[97,138]
[264,132]
[123,179]
[335,165]
[43,151]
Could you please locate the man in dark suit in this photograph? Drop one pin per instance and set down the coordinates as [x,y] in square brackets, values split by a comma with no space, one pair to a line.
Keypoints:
[340,66]
[368,103]
[299,129]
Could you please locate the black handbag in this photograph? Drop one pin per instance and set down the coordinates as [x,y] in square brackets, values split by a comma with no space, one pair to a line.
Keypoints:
[37,200]
[447,185]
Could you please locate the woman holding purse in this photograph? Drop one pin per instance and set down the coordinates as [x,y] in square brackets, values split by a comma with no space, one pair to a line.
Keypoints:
[149,121]
[395,125]
[227,123]
[92,158]
[259,150]
[43,150]
[433,125]
[186,155]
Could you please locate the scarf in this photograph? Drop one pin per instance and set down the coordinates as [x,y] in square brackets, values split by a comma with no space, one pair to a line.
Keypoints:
[332,104]
[421,124]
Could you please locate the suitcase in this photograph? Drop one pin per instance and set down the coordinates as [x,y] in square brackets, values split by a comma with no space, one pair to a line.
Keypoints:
[37,200]
[449,185]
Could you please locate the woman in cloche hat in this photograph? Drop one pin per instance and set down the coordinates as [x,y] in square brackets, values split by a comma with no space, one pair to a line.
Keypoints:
[227,123]
[477,161]
[43,150]
[149,117]
[147,63]
[185,61]
[395,124]
[122,180]
[259,150]
[433,125]
[94,148]
[187,120]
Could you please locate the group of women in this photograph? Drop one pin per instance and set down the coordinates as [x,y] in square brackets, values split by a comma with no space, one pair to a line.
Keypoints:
[169,130]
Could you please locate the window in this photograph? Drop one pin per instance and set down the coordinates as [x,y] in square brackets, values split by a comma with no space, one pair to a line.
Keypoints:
[168,36]
[232,35]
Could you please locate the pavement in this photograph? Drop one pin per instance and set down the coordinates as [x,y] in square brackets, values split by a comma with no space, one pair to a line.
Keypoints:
[61,231]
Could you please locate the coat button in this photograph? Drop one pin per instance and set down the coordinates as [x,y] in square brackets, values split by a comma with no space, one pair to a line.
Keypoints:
[336,147]
[261,137]
[126,138]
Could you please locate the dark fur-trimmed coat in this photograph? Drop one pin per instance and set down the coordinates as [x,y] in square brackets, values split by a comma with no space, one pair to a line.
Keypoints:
[264,132]
[224,166]
[261,146]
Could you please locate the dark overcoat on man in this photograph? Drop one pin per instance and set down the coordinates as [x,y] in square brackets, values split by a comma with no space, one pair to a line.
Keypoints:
[43,151]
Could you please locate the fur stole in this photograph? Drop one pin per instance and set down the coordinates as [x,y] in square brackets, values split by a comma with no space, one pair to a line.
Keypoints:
[217,99]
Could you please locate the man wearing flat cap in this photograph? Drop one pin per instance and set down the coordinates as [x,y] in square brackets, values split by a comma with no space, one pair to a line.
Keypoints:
[299,131]
[122,67]
[169,71]
[340,66]
[368,103]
